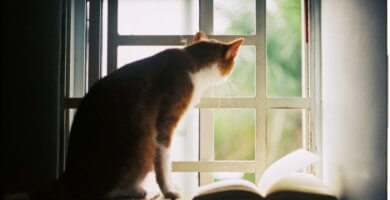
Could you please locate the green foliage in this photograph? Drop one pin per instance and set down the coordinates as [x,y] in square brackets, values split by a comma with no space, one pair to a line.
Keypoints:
[234,129]
[284,48]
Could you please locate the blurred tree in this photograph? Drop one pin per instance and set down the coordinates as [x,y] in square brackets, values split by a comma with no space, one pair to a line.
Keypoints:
[234,129]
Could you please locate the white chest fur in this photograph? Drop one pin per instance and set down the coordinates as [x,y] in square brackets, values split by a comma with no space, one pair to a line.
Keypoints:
[203,79]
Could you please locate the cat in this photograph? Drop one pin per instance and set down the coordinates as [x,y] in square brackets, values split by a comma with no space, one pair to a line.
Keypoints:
[124,125]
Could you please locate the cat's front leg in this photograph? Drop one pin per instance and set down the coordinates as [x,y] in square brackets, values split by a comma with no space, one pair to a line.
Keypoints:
[162,166]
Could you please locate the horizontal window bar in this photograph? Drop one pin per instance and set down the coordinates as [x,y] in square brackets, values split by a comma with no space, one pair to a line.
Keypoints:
[282,103]
[213,166]
[227,103]
[176,39]
[72,102]
[288,103]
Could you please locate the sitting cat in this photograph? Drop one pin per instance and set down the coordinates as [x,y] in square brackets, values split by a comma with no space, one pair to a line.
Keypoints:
[123,127]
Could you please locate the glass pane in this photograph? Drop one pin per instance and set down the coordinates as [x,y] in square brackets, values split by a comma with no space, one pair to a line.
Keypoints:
[284,132]
[284,77]
[185,144]
[234,134]
[234,175]
[127,54]
[241,82]
[156,17]
[71,113]
[70,116]
[234,17]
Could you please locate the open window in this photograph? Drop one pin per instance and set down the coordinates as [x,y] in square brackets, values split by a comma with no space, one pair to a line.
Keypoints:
[270,106]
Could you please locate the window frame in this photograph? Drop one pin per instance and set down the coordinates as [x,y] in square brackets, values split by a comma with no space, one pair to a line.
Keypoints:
[87,61]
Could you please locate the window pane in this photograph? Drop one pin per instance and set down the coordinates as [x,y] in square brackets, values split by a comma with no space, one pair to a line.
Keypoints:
[284,77]
[185,144]
[241,83]
[234,17]
[187,182]
[234,134]
[127,54]
[156,17]
[234,175]
[71,113]
[284,132]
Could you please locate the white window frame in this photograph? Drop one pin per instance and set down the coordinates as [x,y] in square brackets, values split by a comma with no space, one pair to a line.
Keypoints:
[80,57]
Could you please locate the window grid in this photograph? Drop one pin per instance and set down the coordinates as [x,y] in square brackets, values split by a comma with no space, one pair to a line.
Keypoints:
[261,102]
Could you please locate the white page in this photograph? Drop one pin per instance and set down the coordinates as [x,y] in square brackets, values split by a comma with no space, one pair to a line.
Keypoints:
[288,164]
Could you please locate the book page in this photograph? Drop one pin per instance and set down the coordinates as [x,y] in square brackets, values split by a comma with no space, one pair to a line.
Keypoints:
[226,185]
[301,182]
[283,167]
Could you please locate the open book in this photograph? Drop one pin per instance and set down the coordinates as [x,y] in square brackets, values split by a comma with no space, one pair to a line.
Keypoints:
[280,181]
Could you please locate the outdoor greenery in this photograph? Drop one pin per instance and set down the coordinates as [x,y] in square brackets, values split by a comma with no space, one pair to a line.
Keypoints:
[234,129]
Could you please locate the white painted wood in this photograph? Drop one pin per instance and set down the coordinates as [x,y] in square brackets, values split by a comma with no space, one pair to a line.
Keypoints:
[261,134]
[214,166]
[156,40]
[316,74]
[206,142]
[206,134]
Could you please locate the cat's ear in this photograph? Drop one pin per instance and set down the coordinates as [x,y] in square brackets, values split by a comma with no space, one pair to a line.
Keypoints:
[233,48]
[200,36]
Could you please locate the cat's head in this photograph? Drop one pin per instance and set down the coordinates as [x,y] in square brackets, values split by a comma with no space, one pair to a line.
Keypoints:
[214,58]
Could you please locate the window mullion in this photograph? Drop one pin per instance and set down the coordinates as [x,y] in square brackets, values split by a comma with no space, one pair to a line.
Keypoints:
[144,40]
[306,76]
[95,41]
[112,36]
[206,16]
[314,13]
[261,140]
[206,133]
[212,166]
[207,102]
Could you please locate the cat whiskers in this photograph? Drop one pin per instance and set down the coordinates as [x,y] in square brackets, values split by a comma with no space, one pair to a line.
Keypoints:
[233,87]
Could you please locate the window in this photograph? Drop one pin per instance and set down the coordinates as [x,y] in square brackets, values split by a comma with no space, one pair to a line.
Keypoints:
[270,106]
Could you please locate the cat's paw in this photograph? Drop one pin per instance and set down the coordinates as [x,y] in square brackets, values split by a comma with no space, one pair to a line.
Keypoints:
[171,193]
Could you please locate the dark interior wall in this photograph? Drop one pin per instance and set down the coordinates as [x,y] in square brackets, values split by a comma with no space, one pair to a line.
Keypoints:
[30,92]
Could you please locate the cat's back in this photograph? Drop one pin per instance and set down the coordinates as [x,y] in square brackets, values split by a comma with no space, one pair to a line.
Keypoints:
[153,73]
[117,115]
[133,92]
[145,79]
[164,63]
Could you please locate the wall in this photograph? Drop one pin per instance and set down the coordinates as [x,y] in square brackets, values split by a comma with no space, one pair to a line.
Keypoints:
[31,43]
[354,81]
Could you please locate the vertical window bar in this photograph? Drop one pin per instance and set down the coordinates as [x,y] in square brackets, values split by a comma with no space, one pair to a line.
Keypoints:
[305,73]
[75,66]
[112,46]
[95,41]
[307,79]
[261,135]
[206,16]
[64,81]
[314,15]
[206,134]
